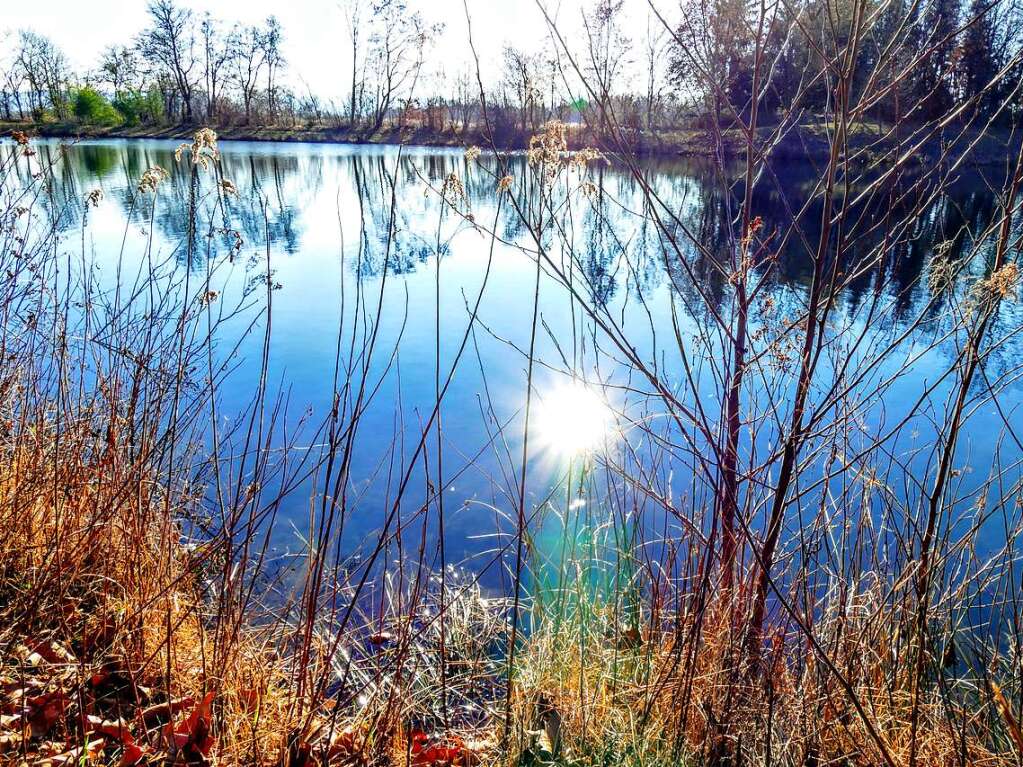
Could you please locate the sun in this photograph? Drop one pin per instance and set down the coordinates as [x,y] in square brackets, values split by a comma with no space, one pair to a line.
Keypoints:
[572,419]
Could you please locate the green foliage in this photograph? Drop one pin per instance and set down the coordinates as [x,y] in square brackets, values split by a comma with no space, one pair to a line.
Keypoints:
[138,108]
[43,115]
[92,108]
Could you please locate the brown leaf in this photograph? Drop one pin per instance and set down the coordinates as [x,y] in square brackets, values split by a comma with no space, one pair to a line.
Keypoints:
[118,730]
[347,743]
[52,652]
[161,712]
[10,742]
[75,755]
[191,737]
[45,711]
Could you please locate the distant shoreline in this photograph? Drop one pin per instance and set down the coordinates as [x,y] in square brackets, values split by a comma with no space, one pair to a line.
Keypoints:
[806,142]
[672,143]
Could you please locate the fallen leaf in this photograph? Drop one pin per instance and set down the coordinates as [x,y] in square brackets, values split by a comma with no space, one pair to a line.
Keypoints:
[131,755]
[45,711]
[75,755]
[347,743]
[118,730]
[52,652]
[191,737]
[10,742]
[300,755]
[449,751]
[164,711]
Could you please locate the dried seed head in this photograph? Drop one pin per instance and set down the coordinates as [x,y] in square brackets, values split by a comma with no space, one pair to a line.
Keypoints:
[152,178]
[453,190]
[546,148]
[203,149]
[1003,282]
[584,157]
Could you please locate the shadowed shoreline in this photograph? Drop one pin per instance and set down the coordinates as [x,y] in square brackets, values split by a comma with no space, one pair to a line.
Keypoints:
[868,143]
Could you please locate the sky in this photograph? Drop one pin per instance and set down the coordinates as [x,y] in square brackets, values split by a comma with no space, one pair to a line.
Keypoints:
[316,37]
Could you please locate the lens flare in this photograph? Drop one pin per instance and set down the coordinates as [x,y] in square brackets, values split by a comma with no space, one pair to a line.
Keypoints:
[572,419]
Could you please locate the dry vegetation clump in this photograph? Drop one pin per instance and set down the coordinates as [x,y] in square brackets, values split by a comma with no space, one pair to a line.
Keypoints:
[591,691]
[106,640]
[110,643]
[141,623]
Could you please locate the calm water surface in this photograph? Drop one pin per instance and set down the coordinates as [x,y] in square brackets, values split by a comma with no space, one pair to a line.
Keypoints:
[320,218]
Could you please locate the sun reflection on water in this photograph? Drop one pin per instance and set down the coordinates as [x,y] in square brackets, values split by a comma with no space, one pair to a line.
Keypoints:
[572,419]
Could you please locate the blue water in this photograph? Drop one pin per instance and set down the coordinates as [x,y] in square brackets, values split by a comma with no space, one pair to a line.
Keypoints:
[318,217]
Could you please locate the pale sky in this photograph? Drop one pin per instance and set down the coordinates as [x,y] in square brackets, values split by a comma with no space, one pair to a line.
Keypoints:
[316,37]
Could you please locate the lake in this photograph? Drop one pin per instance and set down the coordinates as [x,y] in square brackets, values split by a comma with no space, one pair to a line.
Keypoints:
[362,253]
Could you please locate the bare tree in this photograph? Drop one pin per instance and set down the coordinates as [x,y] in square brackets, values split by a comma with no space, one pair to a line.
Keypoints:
[711,51]
[271,39]
[520,78]
[217,50]
[13,79]
[353,16]
[248,58]
[607,51]
[169,42]
[45,70]
[120,68]
[654,48]
[397,54]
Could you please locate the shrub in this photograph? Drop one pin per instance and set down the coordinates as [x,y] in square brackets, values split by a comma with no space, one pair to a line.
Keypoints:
[91,107]
[43,115]
[138,108]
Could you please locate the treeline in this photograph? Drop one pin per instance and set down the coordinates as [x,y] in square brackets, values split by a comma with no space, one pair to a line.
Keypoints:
[924,59]
[182,68]
[708,65]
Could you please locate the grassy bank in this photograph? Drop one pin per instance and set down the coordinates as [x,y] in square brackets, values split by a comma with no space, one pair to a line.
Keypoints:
[145,618]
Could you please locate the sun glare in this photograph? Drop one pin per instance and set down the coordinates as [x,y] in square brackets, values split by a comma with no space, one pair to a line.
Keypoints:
[572,419]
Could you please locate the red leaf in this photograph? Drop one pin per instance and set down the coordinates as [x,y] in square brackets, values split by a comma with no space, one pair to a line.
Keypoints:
[131,755]
[419,740]
[192,735]
[449,752]
[45,711]
[117,730]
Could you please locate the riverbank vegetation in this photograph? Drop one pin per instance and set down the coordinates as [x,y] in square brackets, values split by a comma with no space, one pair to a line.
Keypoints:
[758,558]
[187,69]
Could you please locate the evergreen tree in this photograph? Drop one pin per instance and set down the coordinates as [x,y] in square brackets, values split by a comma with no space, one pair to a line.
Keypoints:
[935,94]
[977,57]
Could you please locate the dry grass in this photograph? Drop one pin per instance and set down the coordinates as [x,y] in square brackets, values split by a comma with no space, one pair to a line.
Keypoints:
[105,615]
[618,697]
